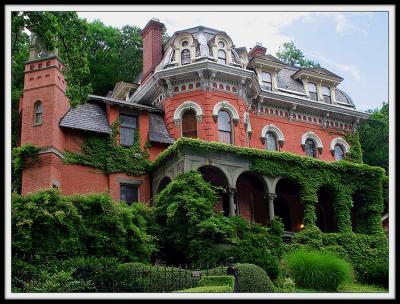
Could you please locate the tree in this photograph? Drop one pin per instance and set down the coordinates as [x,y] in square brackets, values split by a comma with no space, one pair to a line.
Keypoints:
[374,137]
[291,55]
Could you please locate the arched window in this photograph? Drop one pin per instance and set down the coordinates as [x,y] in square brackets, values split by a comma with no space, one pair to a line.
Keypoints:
[221,56]
[339,152]
[189,124]
[271,142]
[224,127]
[266,81]
[309,146]
[38,113]
[185,56]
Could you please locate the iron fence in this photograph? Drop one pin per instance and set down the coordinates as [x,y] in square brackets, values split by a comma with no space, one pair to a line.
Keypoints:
[131,277]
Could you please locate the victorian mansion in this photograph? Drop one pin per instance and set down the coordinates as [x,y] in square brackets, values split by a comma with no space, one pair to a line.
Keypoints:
[199,85]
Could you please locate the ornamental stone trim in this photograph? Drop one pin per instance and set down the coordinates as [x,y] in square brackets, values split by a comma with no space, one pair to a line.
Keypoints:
[314,137]
[225,105]
[339,141]
[187,105]
[272,128]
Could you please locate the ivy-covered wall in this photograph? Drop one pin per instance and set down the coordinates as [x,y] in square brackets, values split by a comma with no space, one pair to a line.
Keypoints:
[345,178]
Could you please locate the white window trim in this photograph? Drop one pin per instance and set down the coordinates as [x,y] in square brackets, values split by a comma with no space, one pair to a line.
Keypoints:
[187,105]
[341,142]
[224,105]
[314,137]
[273,129]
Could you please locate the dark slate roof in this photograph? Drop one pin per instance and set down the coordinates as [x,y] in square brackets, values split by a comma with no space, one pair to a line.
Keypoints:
[88,117]
[343,97]
[158,130]
[286,82]
[322,71]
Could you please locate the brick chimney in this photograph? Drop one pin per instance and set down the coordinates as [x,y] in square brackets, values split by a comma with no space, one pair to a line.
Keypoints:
[257,51]
[152,47]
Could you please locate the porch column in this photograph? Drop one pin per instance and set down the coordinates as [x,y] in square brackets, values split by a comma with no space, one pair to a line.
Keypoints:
[271,197]
[232,207]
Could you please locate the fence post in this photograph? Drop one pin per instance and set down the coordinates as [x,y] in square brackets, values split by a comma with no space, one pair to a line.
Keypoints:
[232,270]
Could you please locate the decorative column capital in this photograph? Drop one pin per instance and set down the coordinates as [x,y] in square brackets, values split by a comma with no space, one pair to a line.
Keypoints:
[270,196]
[231,191]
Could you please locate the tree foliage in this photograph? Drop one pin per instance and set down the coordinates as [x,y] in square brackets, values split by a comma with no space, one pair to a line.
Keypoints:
[374,138]
[291,55]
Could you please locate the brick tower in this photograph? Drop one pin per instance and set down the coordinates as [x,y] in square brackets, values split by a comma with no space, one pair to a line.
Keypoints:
[42,105]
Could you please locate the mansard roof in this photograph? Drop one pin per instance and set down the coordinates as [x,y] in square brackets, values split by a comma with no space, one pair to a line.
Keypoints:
[286,82]
[87,117]
[158,130]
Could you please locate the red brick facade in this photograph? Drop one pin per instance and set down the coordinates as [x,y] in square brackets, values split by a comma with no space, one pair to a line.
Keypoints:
[44,82]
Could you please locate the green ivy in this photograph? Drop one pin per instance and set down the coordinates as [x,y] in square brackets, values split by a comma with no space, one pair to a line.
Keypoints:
[22,157]
[345,178]
[355,154]
[106,154]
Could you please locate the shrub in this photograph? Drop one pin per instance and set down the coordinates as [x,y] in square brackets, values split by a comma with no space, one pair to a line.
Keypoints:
[217,281]
[48,225]
[208,289]
[319,271]
[285,284]
[251,278]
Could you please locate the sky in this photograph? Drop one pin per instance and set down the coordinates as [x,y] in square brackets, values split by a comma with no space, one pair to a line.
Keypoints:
[353,45]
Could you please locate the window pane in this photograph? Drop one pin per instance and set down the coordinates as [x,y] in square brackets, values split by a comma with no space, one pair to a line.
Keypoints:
[38,118]
[225,137]
[266,77]
[325,91]
[310,148]
[126,136]
[221,44]
[327,99]
[224,121]
[185,56]
[128,193]
[339,153]
[312,88]
[271,142]
[221,57]
[313,96]
[127,121]
[189,124]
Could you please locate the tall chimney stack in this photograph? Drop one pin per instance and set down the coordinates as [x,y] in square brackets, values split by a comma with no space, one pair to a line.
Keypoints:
[257,51]
[152,47]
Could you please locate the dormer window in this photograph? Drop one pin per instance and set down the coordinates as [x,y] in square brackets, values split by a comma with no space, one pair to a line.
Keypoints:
[185,56]
[266,81]
[326,93]
[312,89]
[221,57]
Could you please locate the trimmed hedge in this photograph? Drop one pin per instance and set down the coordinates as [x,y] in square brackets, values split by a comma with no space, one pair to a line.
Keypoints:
[217,281]
[208,289]
[251,278]
[213,284]
[319,271]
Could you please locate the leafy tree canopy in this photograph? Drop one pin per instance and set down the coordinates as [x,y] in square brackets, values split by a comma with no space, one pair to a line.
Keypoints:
[289,54]
[374,137]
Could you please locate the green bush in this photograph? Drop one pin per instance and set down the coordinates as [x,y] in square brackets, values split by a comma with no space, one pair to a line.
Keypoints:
[217,281]
[251,278]
[368,254]
[208,289]
[47,225]
[319,271]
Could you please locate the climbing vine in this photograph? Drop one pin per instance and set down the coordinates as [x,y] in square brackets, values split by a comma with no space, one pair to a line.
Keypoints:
[355,154]
[344,177]
[22,157]
[106,154]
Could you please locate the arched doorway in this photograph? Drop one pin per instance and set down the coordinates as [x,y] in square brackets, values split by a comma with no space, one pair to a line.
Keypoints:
[250,192]
[325,211]
[164,182]
[287,205]
[216,177]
